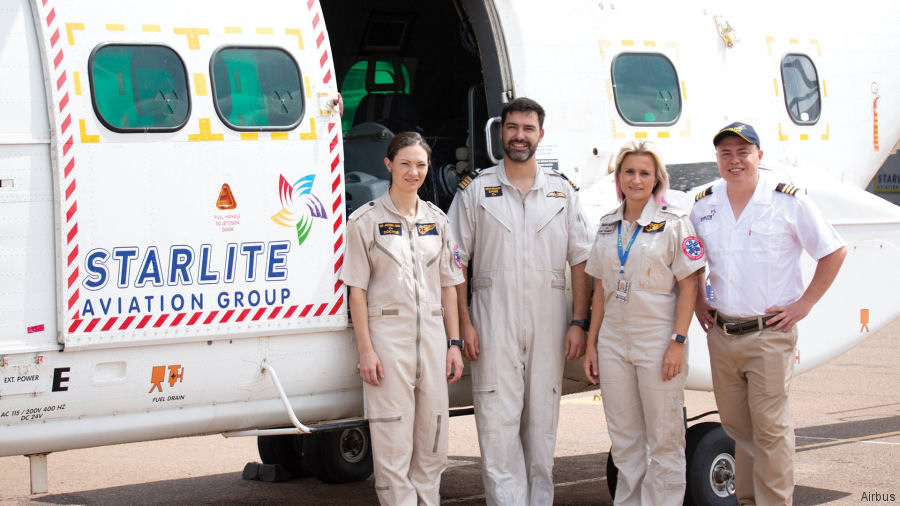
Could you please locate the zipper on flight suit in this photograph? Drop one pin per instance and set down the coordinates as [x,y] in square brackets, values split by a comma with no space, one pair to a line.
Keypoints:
[412,251]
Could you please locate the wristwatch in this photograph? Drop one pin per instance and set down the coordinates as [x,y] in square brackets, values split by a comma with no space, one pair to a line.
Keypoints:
[584,324]
[456,342]
[679,338]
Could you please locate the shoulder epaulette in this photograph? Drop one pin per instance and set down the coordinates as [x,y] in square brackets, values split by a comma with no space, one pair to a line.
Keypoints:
[787,189]
[560,174]
[705,193]
[434,207]
[468,179]
[361,210]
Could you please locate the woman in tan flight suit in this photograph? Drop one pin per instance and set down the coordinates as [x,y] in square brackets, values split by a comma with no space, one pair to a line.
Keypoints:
[402,266]
[643,250]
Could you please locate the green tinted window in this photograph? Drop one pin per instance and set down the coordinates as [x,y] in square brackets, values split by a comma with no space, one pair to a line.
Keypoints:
[353,88]
[646,88]
[139,88]
[257,88]
[801,88]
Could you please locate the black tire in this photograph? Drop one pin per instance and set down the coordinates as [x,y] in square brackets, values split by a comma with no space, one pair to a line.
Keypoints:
[339,456]
[612,475]
[710,466]
[286,450]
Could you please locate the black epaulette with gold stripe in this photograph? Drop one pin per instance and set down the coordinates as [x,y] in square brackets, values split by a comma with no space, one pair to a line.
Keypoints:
[705,193]
[575,186]
[468,179]
[787,189]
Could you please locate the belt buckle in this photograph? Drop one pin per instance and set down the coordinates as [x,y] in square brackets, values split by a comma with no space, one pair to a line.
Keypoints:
[725,329]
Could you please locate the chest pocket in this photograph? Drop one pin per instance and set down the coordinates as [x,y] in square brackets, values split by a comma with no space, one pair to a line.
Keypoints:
[428,249]
[656,260]
[551,237]
[767,239]
[498,216]
[390,250]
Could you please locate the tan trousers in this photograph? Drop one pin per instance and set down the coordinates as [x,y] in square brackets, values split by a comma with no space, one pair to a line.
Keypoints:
[408,414]
[644,416]
[751,378]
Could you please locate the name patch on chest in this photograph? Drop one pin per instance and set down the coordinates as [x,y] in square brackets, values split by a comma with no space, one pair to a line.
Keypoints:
[654,227]
[493,191]
[606,228]
[557,195]
[426,229]
[390,229]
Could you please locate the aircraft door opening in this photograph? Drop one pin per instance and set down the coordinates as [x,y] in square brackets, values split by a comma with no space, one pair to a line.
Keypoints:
[433,68]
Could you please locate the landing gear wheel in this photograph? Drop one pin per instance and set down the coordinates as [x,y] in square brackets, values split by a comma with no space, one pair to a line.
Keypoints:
[339,456]
[612,475]
[285,450]
[710,466]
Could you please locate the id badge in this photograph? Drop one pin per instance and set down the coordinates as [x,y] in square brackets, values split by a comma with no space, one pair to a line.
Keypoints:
[622,287]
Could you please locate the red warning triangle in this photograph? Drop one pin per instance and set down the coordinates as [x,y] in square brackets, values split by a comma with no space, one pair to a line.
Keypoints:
[226,198]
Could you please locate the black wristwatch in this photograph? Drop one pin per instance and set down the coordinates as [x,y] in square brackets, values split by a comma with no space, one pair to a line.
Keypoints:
[679,338]
[456,342]
[584,324]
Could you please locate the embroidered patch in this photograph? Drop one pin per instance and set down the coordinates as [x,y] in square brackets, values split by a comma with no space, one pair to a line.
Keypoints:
[390,229]
[709,216]
[493,191]
[606,228]
[456,259]
[557,194]
[692,247]
[654,227]
[426,229]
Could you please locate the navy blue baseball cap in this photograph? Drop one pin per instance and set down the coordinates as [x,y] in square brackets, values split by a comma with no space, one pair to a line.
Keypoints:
[742,130]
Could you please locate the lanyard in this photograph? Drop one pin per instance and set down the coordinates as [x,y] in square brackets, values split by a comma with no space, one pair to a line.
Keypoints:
[623,255]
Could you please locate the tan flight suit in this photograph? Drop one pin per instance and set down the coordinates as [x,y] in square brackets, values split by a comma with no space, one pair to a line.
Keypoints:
[518,246]
[643,412]
[402,267]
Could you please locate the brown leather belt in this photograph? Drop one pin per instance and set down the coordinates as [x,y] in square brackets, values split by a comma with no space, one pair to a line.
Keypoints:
[742,327]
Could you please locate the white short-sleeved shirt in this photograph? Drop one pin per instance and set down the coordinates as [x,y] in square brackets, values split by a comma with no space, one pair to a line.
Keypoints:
[754,261]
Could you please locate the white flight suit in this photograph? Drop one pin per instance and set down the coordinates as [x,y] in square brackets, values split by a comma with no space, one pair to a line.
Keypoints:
[643,412]
[516,247]
[402,266]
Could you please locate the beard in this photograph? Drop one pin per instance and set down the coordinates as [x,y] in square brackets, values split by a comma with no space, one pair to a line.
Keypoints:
[518,156]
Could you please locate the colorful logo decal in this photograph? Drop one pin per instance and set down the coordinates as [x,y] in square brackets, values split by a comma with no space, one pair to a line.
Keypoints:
[692,247]
[709,216]
[298,206]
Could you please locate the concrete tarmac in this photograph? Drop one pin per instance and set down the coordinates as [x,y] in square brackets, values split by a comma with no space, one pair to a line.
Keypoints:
[846,414]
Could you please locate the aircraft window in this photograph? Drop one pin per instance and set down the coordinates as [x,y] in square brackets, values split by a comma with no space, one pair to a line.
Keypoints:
[353,89]
[801,89]
[139,88]
[257,88]
[646,88]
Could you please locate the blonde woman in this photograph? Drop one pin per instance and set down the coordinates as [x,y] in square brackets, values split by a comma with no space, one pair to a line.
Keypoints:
[644,259]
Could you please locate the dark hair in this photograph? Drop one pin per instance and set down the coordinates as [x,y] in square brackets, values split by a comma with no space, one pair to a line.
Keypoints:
[406,139]
[523,104]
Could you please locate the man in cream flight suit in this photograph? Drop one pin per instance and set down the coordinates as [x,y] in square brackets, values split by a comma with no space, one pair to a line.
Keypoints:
[518,225]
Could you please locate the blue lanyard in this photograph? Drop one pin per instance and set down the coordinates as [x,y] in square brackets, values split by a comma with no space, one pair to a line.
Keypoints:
[623,255]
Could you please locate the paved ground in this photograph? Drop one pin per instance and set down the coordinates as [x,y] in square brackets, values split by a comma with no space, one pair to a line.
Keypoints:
[847,415]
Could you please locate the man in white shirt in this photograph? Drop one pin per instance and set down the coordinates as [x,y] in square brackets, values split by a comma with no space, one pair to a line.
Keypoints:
[754,229]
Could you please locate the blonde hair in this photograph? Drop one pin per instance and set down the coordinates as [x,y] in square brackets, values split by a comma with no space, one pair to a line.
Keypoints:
[642,147]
